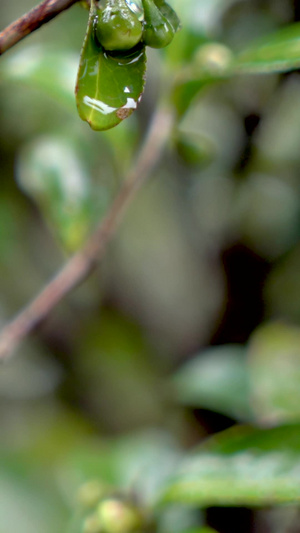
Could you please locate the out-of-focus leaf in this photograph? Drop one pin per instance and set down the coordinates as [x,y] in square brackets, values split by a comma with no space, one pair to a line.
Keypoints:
[194,149]
[52,72]
[139,462]
[43,433]
[267,213]
[119,373]
[179,518]
[152,243]
[282,288]
[51,171]
[278,135]
[241,466]
[201,16]
[213,119]
[28,505]
[211,206]
[279,52]
[216,379]
[200,21]
[211,63]
[136,464]
[144,461]
[274,366]
[31,376]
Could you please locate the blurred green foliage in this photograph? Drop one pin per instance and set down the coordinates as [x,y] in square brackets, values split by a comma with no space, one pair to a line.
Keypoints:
[194,314]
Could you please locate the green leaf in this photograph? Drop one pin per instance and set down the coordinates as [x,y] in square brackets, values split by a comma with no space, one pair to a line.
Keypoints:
[217,380]
[274,366]
[241,466]
[279,52]
[109,86]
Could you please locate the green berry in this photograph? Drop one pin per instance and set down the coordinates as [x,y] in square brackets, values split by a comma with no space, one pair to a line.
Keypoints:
[117,28]
[158,31]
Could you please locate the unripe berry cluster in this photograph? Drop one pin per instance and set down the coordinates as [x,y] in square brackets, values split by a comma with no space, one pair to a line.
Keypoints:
[120,25]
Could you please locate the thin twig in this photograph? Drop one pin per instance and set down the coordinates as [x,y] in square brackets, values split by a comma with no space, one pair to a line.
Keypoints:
[81,264]
[31,21]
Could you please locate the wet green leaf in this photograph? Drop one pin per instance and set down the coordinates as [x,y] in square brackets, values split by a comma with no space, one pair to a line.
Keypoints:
[109,85]
[279,52]
[241,466]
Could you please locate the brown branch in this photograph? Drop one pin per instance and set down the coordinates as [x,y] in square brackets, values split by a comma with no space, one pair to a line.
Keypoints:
[81,264]
[31,21]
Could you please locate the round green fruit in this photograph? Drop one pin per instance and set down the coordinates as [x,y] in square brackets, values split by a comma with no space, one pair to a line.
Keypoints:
[117,28]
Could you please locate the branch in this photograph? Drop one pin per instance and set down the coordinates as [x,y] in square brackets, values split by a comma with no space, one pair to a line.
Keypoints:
[83,262]
[31,21]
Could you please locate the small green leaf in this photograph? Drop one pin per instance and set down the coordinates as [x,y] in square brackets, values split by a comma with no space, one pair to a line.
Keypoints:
[279,52]
[169,14]
[109,86]
[241,466]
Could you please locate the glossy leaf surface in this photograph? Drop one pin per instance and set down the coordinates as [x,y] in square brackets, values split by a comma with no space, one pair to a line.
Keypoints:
[108,86]
[241,466]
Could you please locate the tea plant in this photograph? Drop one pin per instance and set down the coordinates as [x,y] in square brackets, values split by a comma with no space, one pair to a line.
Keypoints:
[108,406]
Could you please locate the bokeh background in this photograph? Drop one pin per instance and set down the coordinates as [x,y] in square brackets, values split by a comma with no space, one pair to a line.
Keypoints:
[127,372]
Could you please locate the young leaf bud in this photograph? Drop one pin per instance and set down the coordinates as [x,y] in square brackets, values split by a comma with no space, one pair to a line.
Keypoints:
[158,31]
